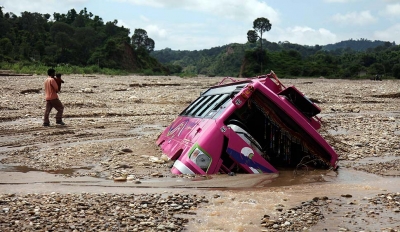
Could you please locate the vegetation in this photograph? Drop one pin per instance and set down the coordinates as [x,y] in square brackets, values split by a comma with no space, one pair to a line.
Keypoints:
[82,43]
[288,60]
[77,42]
[356,45]
[40,69]
[260,25]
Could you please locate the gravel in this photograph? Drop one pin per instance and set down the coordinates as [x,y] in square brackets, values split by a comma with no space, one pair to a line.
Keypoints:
[97,212]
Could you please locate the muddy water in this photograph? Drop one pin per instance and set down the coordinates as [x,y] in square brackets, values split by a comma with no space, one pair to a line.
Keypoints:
[241,209]
[237,202]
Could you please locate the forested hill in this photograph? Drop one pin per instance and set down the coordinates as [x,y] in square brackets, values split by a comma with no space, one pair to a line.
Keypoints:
[78,39]
[353,58]
[83,43]
[356,45]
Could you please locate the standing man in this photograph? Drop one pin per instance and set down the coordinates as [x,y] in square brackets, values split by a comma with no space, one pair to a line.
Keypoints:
[51,90]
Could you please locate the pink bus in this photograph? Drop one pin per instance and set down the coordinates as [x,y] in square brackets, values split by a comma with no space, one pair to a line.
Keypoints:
[252,126]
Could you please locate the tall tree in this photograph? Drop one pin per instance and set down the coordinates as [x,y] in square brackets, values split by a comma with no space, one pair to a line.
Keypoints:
[260,25]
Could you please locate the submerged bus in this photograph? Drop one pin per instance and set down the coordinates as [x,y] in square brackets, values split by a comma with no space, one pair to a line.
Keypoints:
[256,125]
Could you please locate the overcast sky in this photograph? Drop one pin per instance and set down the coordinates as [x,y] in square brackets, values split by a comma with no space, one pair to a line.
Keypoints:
[203,24]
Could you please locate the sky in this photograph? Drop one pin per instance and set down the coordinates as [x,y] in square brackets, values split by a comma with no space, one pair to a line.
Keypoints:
[203,24]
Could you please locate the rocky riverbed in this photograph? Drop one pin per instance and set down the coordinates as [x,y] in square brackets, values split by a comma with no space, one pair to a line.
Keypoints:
[112,124]
[97,212]
[377,213]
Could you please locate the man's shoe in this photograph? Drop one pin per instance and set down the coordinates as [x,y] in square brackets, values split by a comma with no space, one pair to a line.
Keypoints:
[46,124]
[60,123]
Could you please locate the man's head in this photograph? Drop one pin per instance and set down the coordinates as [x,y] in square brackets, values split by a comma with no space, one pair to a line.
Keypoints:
[58,75]
[51,72]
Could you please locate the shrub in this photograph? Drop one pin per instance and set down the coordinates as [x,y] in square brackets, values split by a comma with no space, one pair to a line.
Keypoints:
[148,72]
[396,71]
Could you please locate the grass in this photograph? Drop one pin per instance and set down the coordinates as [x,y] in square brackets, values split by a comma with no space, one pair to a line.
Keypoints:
[41,69]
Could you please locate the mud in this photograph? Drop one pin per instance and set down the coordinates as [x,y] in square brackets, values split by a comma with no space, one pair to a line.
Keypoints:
[113,122]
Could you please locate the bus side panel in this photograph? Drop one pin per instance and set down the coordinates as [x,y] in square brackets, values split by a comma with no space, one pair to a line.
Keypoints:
[245,156]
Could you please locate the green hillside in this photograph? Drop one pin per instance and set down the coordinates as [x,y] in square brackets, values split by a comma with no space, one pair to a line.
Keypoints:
[83,43]
[346,59]
[74,40]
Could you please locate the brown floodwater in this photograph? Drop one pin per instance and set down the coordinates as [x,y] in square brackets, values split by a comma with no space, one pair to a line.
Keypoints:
[237,202]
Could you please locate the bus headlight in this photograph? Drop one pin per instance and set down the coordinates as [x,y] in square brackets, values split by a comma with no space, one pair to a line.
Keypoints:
[200,158]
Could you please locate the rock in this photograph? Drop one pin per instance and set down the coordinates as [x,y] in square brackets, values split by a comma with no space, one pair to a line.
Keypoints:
[119,166]
[156,160]
[144,164]
[121,178]
[346,195]
[287,223]
[87,90]
[155,174]
[130,177]
[164,157]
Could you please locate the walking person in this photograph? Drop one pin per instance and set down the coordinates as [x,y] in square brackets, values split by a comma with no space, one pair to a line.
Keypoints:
[51,89]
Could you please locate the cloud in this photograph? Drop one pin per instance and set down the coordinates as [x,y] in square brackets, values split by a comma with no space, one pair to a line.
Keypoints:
[231,9]
[357,18]
[206,33]
[155,32]
[392,10]
[304,36]
[189,42]
[340,1]
[389,34]
[41,6]
[144,18]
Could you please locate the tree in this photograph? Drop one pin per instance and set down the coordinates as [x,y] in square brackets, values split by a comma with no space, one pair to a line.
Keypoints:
[59,27]
[367,60]
[79,21]
[396,71]
[252,36]
[5,46]
[260,25]
[149,44]
[141,41]
[377,68]
[138,38]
